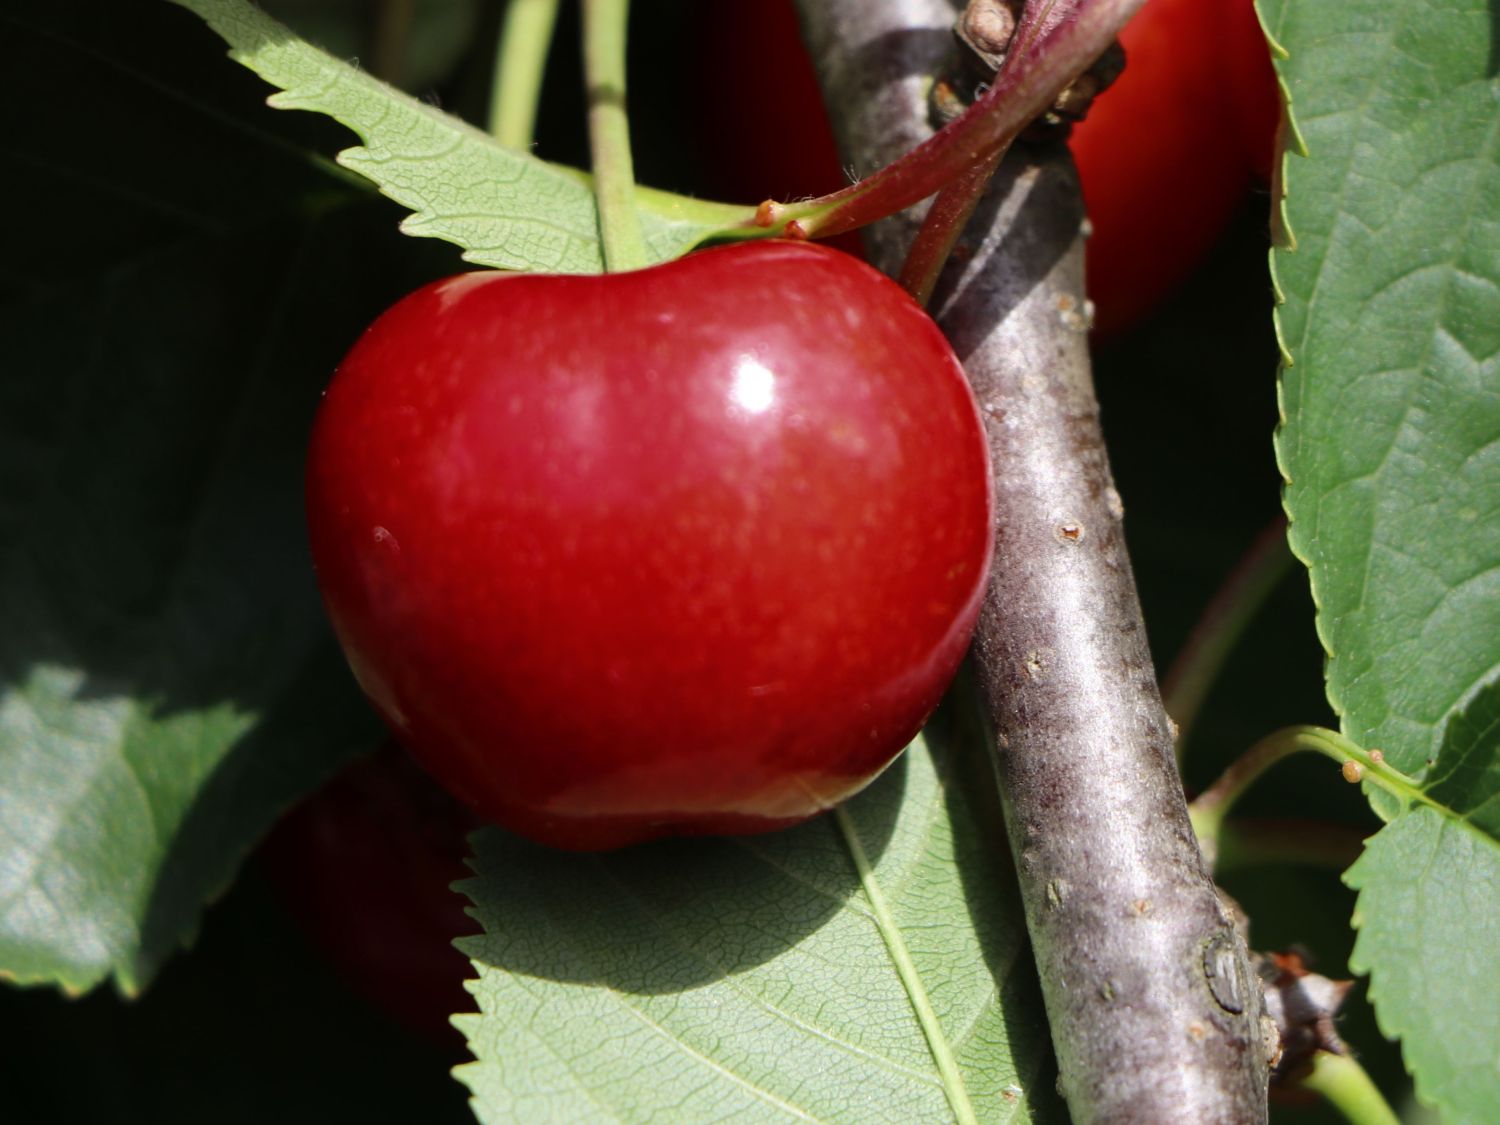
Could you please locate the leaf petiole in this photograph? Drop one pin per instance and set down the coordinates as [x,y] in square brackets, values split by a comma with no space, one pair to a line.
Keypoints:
[943,223]
[1213,804]
[1076,32]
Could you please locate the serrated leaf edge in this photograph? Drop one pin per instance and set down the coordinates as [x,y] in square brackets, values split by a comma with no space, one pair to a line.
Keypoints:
[1287,244]
[704,220]
[1385,1016]
[949,1070]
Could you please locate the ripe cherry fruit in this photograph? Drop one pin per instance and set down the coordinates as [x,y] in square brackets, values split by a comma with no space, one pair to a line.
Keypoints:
[1169,151]
[693,549]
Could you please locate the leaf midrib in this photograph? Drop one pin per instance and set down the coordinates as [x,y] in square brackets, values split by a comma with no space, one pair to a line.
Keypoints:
[1420,795]
[942,1051]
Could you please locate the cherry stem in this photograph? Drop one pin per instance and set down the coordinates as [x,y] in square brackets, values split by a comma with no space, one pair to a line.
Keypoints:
[520,64]
[954,206]
[1076,32]
[1234,606]
[604,24]
[1348,1089]
[943,223]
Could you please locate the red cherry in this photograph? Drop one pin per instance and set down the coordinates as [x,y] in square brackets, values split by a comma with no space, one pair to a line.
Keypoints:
[1162,155]
[693,549]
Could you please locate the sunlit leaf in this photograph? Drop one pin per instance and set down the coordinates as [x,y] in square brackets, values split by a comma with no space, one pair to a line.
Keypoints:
[1391,450]
[506,209]
[761,979]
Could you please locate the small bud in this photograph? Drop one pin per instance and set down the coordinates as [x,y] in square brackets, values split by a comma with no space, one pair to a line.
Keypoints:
[988,26]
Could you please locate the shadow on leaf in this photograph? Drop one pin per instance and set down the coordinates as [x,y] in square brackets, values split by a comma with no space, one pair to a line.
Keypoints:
[672,915]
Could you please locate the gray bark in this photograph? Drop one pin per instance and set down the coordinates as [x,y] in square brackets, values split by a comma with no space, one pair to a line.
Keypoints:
[1155,1015]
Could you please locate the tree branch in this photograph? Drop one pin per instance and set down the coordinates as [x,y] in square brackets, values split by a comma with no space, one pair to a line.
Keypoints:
[1155,1014]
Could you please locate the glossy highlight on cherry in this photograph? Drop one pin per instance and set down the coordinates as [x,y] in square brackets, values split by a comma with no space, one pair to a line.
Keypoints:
[693,549]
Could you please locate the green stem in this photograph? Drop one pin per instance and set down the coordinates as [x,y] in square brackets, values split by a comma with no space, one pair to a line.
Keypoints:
[1371,765]
[604,23]
[1202,657]
[1209,810]
[1029,82]
[520,63]
[1348,1089]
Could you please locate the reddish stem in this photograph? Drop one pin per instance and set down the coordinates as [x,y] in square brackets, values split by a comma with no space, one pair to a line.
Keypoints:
[955,203]
[1074,34]
[943,224]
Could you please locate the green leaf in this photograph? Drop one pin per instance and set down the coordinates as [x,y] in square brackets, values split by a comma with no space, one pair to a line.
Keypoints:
[167,680]
[168,683]
[1390,446]
[1429,886]
[761,979]
[506,209]
[1391,399]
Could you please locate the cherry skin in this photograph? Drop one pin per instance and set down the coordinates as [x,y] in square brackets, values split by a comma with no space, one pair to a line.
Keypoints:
[693,549]
[1164,156]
